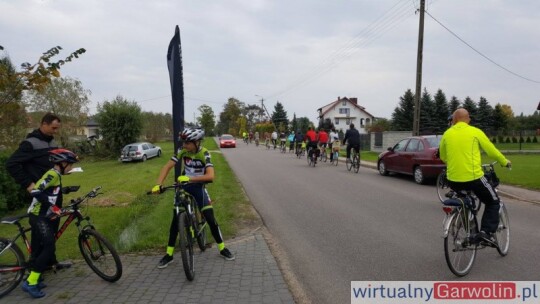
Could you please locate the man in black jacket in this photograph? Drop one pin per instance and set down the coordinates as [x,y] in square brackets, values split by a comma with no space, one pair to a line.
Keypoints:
[352,139]
[31,160]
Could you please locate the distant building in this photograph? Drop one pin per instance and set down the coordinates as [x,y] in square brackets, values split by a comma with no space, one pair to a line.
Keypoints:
[344,111]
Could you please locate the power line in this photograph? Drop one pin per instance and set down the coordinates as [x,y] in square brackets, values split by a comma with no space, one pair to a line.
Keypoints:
[486,57]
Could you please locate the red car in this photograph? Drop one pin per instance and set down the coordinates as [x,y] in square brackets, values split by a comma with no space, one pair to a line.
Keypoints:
[227,141]
[416,156]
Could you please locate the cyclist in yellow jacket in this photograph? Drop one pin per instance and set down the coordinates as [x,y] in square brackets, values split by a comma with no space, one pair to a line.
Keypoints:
[460,150]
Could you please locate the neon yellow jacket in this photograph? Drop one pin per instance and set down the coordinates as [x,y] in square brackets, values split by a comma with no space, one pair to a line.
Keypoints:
[460,150]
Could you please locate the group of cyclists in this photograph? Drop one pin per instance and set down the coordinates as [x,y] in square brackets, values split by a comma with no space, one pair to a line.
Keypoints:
[313,141]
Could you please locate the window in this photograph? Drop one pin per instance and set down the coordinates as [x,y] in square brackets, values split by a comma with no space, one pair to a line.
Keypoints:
[367,121]
[336,121]
[400,146]
[413,145]
[361,122]
[344,110]
[344,103]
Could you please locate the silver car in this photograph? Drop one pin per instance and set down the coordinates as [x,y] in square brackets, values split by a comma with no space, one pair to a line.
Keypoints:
[139,151]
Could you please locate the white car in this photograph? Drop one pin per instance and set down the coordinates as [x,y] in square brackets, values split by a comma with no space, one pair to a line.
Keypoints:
[139,151]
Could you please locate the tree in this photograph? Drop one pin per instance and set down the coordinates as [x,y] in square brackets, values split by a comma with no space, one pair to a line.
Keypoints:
[427,113]
[35,76]
[12,111]
[453,105]
[279,117]
[470,105]
[500,120]
[294,123]
[402,118]
[440,115]
[484,115]
[207,120]
[229,116]
[121,123]
[156,126]
[380,125]
[65,97]
[303,124]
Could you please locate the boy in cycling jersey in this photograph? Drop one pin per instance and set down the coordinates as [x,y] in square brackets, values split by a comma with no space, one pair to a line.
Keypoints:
[197,169]
[43,213]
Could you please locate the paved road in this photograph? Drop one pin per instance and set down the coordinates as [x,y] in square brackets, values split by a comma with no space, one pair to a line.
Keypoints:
[336,226]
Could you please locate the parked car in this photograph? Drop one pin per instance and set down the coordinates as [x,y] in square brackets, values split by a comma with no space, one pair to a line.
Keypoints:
[139,151]
[416,156]
[227,141]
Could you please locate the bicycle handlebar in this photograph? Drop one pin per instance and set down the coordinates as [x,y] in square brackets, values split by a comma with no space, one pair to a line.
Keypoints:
[176,185]
[91,194]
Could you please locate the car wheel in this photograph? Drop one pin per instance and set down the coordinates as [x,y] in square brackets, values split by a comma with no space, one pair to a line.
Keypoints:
[418,175]
[144,158]
[159,153]
[382,168]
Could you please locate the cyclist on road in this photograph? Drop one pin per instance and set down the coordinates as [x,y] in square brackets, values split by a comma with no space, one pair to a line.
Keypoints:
[274,139]
[245,137]
[44,210]
[333,143]
[282,139]
[197,168]
[352,138]
[323,140]
[290,139]
[460,149]
[299,140]
[312,141]
[256,138]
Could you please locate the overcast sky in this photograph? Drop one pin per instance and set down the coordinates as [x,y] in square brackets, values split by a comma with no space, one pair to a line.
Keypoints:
[303,53]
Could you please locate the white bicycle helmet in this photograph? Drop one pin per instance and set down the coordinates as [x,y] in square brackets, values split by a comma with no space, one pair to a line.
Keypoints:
[190,134]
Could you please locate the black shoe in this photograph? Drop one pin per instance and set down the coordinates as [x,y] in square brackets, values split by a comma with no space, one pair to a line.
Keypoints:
[62,265]
[165,260]
[227,255]
[484,238]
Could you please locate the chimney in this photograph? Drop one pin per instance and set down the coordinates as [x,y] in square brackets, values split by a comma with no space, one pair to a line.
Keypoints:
[354,100]
[339,98]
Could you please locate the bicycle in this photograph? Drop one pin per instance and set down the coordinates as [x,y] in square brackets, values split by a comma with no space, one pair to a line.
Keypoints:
[461,225]
[443,188]
[335,157]
[355,162]
[96,250]
[191,225]
[267,144]
[312,161]
[283,147]
[323,156]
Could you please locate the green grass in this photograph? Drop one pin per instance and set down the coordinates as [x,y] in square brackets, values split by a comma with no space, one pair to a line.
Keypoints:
[134,221]
[515,146]
[525,170]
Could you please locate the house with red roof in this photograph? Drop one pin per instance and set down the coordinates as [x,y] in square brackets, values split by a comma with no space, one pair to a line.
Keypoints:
[344,111]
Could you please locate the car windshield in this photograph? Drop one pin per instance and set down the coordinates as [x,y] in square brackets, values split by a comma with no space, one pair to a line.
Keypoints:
[434,141]
[130,148]
[227,137]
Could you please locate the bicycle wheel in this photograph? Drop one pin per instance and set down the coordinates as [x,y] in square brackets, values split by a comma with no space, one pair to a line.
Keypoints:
[442,186]
[348,163]
[100,255]
[356,162]
[459,253]
[308,158]
[503,232]
[186,245]
[201,227]
[336,158]
[12,266]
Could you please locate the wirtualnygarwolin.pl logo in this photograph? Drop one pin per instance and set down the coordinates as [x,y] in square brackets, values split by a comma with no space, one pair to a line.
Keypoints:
[382,292]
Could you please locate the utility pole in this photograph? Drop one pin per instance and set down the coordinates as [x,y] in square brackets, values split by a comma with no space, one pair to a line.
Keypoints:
[416,121]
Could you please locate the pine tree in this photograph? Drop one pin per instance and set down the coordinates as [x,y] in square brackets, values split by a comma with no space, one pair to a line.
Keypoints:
[484,115]
[427,113]
[279,116]
[500,120]
[402,118]
[453,105]
[441,112]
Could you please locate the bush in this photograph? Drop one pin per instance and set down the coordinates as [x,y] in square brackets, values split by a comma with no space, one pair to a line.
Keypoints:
[507,140]
[534,140]
[500,138]
[13,196]
[514,140]
[494,140]
[528,140]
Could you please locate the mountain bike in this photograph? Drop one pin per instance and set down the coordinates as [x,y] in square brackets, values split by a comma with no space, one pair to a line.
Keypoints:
[97,251]
[191,226]
[354,162]
[312,161]
[461,225]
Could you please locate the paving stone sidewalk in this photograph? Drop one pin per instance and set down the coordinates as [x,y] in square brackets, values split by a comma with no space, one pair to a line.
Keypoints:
[253,277]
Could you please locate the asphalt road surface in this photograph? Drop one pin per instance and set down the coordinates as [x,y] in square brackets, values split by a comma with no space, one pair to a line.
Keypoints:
[336,226]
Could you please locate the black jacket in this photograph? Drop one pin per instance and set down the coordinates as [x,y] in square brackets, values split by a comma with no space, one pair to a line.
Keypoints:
[31,160]
[352,137]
